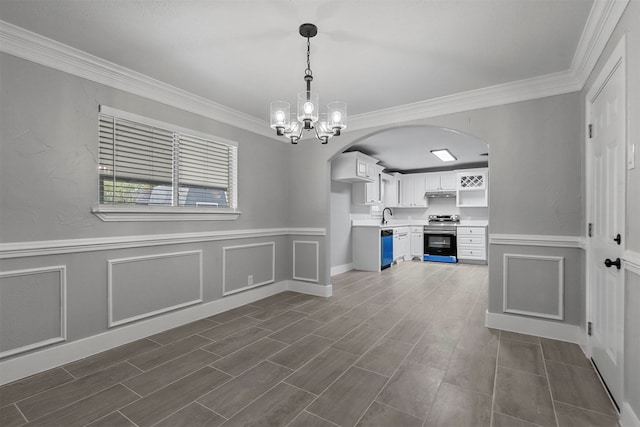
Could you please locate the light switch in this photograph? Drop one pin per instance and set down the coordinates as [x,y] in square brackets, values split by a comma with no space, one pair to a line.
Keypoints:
[631,157]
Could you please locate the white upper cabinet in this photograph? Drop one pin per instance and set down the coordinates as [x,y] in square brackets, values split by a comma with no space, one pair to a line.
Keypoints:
[391,190]
[413,189]
[354,167]
[440,181]
[448,181]
[472,188]
[369,193]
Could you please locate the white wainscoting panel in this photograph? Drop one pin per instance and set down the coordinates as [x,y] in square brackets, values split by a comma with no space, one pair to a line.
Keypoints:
[31,321]
[144,286]
[248,266]
[303,252]
[532,287]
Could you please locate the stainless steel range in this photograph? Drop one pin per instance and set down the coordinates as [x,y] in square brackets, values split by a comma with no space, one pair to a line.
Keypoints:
[440,238]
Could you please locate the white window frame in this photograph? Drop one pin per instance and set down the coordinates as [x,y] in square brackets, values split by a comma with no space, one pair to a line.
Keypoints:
[119,213]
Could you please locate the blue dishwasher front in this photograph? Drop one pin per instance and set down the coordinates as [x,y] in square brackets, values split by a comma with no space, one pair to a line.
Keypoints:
[386,248]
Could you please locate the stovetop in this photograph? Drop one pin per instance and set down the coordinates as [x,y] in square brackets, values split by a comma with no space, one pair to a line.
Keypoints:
[446,219]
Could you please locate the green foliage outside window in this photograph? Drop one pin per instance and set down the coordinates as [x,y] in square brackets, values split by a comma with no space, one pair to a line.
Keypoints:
[123,192]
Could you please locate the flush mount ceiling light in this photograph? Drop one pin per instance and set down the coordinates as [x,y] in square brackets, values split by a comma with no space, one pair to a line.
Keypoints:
[308,117]
[444,155]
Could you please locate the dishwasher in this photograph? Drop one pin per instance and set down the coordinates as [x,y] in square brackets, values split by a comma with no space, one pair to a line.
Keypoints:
[386,248]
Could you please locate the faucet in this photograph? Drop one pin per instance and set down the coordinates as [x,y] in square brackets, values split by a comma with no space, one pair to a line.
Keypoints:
[384,220]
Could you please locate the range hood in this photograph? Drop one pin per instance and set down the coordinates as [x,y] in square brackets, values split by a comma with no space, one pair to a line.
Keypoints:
[441,194]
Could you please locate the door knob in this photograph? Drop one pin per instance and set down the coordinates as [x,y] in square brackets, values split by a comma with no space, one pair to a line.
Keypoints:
[609,263]
[618,239]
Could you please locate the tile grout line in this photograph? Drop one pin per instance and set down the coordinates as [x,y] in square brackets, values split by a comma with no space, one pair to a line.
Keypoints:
[495,380]
[20,412]
[546,372]
[126,418]
[195,401]
[135,392]
[318,416]
[65,369]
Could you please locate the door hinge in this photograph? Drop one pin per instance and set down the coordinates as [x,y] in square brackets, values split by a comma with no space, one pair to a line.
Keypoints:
[589,328]
[590,131]
[590,229]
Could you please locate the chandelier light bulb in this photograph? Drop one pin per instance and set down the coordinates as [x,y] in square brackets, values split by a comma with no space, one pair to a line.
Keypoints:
[308,108]
[336,116]
[280,116]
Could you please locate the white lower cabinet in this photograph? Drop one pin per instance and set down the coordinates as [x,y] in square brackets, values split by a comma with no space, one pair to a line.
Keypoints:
[472,243]
[401,243]
[417,242]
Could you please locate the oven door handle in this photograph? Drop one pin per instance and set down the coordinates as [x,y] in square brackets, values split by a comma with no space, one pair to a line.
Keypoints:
[442,232]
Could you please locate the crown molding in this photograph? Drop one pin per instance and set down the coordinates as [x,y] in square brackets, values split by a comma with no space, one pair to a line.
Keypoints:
[603,17]
[523,90]
[41,50]
[602,20]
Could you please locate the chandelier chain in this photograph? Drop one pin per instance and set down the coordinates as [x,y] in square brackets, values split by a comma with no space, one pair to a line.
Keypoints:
[308,71]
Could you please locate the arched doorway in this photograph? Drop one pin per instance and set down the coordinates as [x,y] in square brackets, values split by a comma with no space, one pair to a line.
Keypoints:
[400,151]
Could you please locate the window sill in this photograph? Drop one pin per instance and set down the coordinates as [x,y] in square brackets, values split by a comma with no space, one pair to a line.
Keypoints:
[109,213]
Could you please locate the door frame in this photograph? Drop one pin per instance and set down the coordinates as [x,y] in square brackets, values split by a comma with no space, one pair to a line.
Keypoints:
[616,59]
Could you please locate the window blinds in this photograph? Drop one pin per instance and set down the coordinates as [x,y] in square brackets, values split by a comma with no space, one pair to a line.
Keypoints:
[134,151]
[203,163]
[144,164]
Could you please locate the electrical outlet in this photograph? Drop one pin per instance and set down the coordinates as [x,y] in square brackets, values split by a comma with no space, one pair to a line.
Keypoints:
[250,280]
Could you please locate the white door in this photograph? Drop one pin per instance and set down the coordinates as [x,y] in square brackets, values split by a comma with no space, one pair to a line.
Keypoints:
[606,186]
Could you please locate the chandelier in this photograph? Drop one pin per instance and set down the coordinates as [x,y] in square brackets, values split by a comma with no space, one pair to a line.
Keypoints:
[308,116]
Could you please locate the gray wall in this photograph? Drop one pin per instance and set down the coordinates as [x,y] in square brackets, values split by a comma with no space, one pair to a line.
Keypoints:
[48,127]
[629,26]
[340,223]
[49,182]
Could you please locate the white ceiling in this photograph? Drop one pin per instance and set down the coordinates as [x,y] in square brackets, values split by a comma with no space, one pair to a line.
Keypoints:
[373,55]
[408,149]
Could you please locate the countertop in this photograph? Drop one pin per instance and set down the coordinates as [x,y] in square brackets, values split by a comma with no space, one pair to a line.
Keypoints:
[414,222]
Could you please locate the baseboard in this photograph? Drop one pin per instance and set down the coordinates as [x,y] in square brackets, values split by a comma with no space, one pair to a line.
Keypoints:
[628,418]
[33,363]
[308,288]
[339,269]
[538,327]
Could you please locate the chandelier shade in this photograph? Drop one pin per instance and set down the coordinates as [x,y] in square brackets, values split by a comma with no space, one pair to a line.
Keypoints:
[308,114]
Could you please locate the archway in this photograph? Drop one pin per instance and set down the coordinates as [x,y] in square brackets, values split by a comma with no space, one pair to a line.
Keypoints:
[404,150]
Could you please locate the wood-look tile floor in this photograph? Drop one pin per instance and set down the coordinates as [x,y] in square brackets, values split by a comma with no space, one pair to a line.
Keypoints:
[405,347]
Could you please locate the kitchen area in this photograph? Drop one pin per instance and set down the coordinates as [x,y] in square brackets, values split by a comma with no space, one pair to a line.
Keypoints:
[417,215]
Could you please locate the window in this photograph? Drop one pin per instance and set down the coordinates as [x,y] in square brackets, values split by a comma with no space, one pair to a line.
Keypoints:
[146,165]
